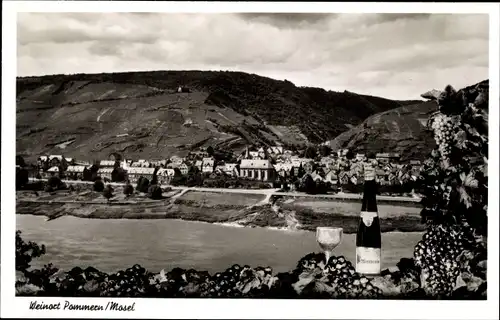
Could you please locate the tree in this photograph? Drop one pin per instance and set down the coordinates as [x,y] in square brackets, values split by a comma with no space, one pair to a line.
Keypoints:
[307,184]
[128,190]
[55,183]
[142,185]
[98,185]
[325,150]
[20,161]
[118,175]
[310,152]
[22,178]
[108,192]
[155,192]
[154,180]
[25,252]
[210,151]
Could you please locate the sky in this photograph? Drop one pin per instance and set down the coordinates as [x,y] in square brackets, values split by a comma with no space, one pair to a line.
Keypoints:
[398,56]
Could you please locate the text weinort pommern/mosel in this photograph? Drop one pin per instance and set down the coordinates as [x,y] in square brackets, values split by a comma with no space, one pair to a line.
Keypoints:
[108,306]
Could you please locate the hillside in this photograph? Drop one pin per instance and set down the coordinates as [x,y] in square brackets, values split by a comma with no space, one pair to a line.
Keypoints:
[402,130]
[140,114]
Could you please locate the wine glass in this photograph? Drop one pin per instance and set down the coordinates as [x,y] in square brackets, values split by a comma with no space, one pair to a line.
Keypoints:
[328,239]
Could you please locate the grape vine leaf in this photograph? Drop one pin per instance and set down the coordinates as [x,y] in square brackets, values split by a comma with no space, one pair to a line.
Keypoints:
[464,196]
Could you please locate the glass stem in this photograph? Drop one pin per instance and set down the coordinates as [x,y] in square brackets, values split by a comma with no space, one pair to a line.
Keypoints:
[327,257]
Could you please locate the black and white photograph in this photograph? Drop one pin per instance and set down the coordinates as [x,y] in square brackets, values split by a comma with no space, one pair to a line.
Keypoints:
[248,157]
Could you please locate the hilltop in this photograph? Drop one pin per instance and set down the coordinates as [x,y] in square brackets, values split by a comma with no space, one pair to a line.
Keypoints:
[141,114]
[403,130]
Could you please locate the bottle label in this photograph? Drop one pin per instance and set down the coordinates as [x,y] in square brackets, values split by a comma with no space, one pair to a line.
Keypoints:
[368,260]
[368,217]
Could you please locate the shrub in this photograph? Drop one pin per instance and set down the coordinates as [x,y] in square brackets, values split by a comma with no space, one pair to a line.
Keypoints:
[155,192]
[55,183]
[108,192]
[22,178]
[98,186]
[128,190]
[142,185]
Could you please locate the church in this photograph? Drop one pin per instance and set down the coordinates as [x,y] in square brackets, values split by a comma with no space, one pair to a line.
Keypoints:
[257,169]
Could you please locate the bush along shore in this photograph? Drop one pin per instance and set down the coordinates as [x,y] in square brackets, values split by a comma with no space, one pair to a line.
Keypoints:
[449,262]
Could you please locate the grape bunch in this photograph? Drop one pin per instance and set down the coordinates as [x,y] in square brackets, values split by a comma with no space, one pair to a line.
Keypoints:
[239,281]
[339,275]
[437,257]
[125,283]
[444,130]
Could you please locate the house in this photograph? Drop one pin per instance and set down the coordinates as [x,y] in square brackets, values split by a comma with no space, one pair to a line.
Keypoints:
[199,164]
[57,160]
[231,169]
[70,161]
[105,173]
[176,160]
[331,177]
[134,173]
[343,178]
[158,163]
[208,165]
[325,161]
[387,157]
[259,169]
[284,169]
[316,177]
[308,166]
[219,169]
[107,164]
[75,172]
[53,172]
[360,157]
[183,167]
[81,163]
[182,89]
[165,176]
[41,161]
[254,155]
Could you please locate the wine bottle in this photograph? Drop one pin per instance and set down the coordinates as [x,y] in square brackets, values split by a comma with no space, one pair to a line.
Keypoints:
[369,238]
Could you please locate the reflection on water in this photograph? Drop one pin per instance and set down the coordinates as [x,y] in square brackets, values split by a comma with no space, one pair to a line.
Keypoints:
[110,245]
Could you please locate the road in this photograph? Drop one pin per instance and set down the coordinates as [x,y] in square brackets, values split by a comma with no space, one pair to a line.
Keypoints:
[267,192]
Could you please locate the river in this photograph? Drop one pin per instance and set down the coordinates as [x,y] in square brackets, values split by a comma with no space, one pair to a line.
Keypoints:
[112,245]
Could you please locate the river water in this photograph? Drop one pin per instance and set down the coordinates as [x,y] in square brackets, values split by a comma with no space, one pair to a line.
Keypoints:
[112,245]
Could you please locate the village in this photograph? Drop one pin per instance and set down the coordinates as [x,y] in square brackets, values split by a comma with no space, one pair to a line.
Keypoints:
[253,168]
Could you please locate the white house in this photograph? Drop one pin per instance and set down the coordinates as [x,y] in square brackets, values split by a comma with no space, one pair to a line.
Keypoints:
[53,172]
[231,169]
[107,163]
[208,165]
[257,169]
[75,172]
[134,173]
[164,176]
[105,173]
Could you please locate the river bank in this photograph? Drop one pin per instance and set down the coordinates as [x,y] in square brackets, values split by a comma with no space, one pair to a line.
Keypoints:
[237,209]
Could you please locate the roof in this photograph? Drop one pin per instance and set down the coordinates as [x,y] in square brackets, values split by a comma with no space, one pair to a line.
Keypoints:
[198,163]
[43,158]
[138,170]
[75,169]
[107,163]
[256,164]
[53,169]
[58,157]
[105,170]
[283,166]
[166,172]
[230,166]
[69,159]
